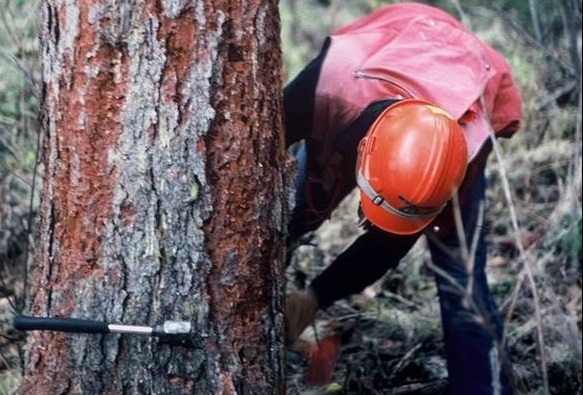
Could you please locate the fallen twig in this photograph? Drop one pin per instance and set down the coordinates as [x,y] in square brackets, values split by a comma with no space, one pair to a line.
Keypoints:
[526,269]
[404,361]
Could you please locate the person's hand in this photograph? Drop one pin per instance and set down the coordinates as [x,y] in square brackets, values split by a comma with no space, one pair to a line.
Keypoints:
[300,309]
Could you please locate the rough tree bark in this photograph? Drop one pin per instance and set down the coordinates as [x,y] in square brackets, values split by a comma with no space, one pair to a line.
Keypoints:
[163,197]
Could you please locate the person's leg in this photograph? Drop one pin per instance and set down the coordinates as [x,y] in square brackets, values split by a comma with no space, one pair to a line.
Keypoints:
[472,325]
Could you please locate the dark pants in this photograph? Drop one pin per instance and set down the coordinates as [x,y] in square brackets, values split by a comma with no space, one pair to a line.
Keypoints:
[470,319]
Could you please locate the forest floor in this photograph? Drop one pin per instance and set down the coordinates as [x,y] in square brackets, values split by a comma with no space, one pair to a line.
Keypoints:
[390,337]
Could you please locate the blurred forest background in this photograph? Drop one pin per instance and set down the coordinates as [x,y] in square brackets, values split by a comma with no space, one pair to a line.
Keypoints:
[394,344]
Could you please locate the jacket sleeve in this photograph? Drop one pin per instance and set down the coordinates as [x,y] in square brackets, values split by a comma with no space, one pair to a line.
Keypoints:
[503,100]
[299,99]
[361,264]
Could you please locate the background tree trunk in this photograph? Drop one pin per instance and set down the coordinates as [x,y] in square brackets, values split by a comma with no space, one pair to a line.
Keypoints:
[163,196]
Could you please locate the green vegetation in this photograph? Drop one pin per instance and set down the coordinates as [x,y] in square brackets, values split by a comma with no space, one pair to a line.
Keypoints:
[19,74]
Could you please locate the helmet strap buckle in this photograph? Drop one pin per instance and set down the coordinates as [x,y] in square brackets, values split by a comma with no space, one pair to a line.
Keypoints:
[378,200]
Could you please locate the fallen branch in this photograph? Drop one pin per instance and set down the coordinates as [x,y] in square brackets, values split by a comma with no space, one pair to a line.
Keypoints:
[526,269]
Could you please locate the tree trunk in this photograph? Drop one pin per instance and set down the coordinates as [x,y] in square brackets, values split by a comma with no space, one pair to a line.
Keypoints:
[163,198]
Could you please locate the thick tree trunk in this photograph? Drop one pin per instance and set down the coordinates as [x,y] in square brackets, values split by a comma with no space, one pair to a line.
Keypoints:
[163,196]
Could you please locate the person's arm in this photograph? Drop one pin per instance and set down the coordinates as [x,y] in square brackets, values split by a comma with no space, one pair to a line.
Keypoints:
[361,264]
[299,99]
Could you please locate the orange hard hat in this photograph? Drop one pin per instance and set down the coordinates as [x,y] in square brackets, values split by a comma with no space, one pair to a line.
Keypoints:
[410,163]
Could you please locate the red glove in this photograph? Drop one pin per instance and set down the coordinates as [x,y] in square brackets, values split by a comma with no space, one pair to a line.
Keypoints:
[322,360]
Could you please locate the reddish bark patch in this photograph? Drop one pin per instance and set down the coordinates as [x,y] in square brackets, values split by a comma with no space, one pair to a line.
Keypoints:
[53,352]
[226,386]
[84,181]
[127,214]
[85,107]
[178,37]
[243,158]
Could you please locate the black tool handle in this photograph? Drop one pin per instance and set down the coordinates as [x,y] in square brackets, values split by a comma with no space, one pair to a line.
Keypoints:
[25,323]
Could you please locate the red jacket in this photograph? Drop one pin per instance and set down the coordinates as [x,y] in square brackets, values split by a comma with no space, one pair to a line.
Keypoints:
[407,50]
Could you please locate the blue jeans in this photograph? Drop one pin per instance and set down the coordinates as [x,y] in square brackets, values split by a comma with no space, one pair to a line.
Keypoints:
[477,364]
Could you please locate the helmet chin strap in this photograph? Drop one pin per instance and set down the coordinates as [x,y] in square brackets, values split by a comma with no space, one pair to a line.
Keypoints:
[409,211]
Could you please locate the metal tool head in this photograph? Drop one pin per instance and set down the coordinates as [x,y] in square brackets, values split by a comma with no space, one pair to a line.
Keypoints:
[176,327]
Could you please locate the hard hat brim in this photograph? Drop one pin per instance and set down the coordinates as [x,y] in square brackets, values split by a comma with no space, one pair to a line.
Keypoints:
[392,223]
